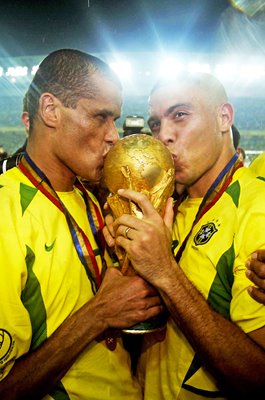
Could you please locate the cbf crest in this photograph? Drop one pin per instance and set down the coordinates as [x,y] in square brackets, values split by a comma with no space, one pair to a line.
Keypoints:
[205,233]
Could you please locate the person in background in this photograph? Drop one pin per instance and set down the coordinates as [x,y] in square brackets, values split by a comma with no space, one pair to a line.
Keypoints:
[241,154]
[257,166]
[236,136]
[236,140]
[132,124]
[3,152]
[62,302]
[12,161]
[215,341]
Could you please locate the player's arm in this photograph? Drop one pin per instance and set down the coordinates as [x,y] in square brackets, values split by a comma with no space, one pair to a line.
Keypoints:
[120,302]
[236,359]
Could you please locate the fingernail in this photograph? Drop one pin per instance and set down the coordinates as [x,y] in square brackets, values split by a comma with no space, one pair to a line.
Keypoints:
[254,256]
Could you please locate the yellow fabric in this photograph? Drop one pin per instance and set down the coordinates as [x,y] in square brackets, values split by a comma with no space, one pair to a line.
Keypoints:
[43,281]
[225,236]
[258,165]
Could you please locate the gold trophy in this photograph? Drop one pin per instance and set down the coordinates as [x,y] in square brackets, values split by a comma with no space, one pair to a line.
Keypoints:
[144,164]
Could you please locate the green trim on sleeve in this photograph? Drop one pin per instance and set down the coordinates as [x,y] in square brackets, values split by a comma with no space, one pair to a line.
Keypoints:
[234,191]
[220,295]
[32,299]
[59,392]
[27,193]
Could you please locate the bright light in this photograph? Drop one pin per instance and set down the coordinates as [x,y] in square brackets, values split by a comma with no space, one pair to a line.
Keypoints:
[34,69]
[226,72]
[196,67]
[252,72]
[17,71]
[122,68]
[170,67]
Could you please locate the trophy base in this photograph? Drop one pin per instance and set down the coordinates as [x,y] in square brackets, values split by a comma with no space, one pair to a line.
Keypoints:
[150,325]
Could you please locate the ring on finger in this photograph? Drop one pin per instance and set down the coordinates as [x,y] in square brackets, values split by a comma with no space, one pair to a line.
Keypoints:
[126,232]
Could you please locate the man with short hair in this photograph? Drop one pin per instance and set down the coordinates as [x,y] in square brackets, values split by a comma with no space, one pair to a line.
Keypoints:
[61,300]
[215,340]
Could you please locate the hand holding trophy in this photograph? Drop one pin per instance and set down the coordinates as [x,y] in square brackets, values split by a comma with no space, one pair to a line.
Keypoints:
[144,164]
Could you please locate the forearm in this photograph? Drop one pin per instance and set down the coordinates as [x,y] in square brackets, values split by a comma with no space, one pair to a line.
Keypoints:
[35,374]
[236,361]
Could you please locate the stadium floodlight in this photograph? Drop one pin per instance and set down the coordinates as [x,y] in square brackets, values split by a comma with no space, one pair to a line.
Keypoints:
[123,69]
[226,72]
[17,71]
[197,67]
[170,67]
[34,69]
[1,71]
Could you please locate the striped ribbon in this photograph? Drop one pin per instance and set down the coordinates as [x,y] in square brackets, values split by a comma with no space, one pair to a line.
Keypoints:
[81,242]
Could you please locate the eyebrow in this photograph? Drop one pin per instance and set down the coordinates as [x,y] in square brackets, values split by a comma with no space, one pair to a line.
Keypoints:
[178,105]
[170,110]
[107,112]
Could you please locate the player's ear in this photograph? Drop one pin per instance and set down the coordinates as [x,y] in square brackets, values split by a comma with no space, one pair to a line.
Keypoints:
[25,120]
[49,107]
[226,116]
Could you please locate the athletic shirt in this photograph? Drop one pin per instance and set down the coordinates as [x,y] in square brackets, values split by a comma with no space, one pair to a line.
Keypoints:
[43,282]
[258,165]
[214,261]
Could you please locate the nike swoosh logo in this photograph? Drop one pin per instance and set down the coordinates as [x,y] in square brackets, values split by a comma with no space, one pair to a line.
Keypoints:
[49,247]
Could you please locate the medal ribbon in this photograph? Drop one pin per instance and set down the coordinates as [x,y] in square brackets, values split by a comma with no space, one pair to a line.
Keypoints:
[81,242]
[213,194]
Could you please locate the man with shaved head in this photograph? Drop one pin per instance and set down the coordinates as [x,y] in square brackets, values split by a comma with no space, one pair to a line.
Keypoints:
[214,346]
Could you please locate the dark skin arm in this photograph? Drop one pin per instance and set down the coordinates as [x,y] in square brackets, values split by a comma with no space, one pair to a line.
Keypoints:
[120,302]
[236,359]
[256,273]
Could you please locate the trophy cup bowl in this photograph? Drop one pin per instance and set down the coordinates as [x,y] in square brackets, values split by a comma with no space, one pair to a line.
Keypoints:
[144,164]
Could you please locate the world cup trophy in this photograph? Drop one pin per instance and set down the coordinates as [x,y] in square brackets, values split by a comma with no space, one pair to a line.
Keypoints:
[144,164]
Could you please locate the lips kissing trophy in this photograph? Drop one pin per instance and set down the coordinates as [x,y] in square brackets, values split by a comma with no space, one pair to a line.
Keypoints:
[144,164]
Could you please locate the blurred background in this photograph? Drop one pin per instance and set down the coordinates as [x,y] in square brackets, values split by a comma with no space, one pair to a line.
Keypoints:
[142,40]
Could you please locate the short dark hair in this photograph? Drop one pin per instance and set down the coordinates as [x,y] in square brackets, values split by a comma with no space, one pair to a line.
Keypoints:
[66,73]
[236,136]
[25,103]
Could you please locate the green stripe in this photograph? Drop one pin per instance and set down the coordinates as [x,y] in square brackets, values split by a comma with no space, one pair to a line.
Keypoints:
[32,299]
[220,293]
[204,393]
[59,392]
[97,252]
[234,191]
[174,244]
[27,193]
[194,367]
